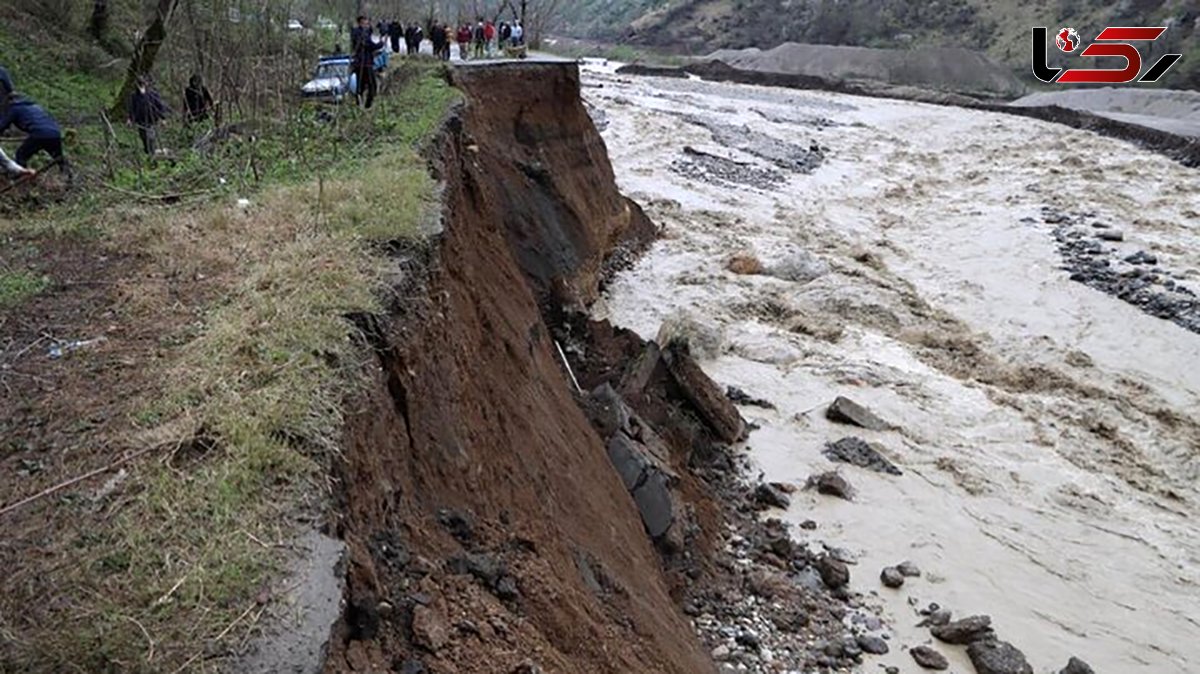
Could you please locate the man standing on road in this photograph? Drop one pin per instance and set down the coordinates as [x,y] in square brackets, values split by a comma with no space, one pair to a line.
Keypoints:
[489,35]
[480,39]
[364,46]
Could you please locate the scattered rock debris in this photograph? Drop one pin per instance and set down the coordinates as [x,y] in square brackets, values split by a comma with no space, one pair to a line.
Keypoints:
[1135,278]
[965,631]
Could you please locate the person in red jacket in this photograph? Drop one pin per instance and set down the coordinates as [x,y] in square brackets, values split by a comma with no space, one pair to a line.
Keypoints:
[489,34]
[464,42]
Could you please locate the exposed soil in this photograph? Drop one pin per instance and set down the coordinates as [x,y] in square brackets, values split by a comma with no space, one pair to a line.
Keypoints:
[487,531]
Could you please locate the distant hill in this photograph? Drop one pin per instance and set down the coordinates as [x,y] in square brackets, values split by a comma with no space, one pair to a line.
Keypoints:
[998,27]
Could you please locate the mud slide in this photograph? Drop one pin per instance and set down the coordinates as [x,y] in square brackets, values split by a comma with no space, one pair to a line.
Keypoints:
[477,501]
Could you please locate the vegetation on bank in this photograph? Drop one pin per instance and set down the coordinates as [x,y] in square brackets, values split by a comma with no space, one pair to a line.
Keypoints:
[244,260]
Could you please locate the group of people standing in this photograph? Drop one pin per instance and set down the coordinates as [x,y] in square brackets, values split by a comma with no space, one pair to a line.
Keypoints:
[483,40]
[145,109]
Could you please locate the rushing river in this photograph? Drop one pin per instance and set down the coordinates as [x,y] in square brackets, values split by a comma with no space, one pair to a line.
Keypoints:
[1049,434]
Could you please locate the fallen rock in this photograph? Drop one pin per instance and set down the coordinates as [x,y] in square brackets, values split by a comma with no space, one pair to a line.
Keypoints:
[929,658]
[891,577]
[965,631]
[859,452]
[771,496]
[429,628]
[744,263]
[460,524]
[834,573]
[872,644]
[800,266]
[694,336]
[655,504]
[831,483]
[997,657]
[1077,666]
[846,411]
[712,404]
[740,397]
[1110,235]
[908,570]
[1141,257]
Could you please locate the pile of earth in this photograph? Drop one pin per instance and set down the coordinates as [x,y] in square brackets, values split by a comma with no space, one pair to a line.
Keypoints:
[944,69]
[1164,109]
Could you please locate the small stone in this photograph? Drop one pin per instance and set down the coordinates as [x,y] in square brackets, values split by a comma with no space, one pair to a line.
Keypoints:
[808,525]
[770,496]
[429,629]
[748,640]
[891,577]
[859,452]
[929,658]
[528,667]
[845,411]
[1110,235]
[872,644]
[997,657]
[908,570]
[936,617]
[506,588]
[720,652]
[831,483]
[891,670]
[965,631]
[411,666]
[1077,666]
[834,573]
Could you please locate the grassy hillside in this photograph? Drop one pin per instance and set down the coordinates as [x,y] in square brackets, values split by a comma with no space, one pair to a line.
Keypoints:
[176,353]
[998,27]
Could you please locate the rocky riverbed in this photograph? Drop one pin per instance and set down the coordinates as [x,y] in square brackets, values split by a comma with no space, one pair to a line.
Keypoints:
[936,267]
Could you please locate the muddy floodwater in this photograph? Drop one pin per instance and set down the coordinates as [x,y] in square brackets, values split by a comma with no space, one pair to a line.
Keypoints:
[911,257]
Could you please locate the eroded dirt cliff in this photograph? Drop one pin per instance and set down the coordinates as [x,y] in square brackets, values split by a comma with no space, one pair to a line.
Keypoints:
[486,527]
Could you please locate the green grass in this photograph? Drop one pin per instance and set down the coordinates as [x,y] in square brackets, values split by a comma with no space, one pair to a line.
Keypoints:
[262,378]
[16,287]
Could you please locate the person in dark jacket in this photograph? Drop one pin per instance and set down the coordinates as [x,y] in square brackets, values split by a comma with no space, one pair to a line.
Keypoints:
[480,39]
[197,100]
[364,46]
[437,35]
[146,110]
[6,85]
[395,32]
[42,132]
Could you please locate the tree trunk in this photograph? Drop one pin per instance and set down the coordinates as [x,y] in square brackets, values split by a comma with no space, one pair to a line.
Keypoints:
[99,22]
[144,53]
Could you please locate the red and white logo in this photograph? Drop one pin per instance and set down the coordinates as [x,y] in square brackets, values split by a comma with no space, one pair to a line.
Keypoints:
[1067,40]
[1112,41]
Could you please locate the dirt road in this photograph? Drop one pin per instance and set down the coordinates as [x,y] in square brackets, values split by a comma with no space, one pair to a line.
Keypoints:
[913,260]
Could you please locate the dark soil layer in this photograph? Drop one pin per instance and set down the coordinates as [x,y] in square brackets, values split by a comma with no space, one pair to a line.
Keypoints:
[487,530]
[1180,148]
